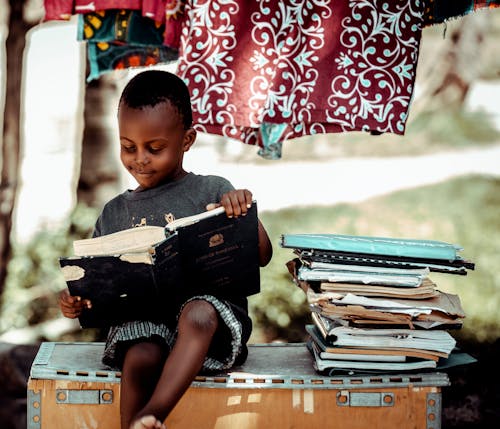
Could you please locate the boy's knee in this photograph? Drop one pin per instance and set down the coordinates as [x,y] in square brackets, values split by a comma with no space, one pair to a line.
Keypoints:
[199,315]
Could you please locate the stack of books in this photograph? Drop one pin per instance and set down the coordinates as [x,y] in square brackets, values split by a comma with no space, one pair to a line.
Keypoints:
[374,306]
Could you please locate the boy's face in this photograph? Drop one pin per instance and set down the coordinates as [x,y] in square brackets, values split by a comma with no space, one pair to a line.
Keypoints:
[153,141]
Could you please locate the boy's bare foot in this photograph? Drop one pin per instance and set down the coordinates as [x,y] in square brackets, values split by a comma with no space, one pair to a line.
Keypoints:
[148,422]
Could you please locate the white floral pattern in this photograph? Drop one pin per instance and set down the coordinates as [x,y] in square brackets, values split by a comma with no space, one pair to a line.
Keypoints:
[267,71]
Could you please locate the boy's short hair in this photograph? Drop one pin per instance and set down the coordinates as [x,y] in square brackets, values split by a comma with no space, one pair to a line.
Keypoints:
[151,87]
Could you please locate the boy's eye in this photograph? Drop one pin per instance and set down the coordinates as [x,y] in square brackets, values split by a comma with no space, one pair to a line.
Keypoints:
[128,149]
[154,150]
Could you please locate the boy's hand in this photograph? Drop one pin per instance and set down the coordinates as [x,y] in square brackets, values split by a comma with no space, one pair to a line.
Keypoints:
[72,306]
[236,202]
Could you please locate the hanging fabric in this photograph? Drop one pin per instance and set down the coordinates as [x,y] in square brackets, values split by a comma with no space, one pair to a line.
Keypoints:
[123,33]
[268,71]
[119,39]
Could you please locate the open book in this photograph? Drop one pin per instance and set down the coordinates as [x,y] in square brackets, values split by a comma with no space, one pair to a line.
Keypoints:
[135,240]
[147,272]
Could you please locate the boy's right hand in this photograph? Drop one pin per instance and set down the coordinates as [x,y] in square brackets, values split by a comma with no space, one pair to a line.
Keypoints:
[72,306]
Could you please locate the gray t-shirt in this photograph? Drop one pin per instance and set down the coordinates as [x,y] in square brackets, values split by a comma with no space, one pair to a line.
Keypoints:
[184,197]
[158,206]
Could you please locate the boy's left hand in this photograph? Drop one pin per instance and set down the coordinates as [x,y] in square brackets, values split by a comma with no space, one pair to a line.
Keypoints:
[236,202]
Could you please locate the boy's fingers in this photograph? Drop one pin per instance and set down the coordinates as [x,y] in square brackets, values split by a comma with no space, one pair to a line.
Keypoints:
[237,202]
[64,296]
[245,201]
[242,202]
[82,303]
[228,205]
[248,198]
[72,306]
[75,302]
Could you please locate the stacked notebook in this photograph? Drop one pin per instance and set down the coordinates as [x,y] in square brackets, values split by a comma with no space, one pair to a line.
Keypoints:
[374,305]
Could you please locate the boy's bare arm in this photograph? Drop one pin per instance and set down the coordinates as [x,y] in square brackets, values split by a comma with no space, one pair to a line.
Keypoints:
[265,246]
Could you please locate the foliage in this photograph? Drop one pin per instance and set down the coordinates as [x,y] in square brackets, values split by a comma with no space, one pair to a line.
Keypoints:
[462,211]
[455,128]
[34,277]
[426,133]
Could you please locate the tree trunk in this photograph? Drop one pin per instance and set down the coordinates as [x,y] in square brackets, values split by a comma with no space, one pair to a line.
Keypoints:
[455,67]
[100,174]
[10,145]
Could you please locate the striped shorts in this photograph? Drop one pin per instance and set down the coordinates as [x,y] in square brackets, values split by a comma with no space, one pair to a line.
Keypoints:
[228,345]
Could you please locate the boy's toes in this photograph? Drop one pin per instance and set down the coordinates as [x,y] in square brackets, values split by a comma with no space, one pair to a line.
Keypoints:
[147,422]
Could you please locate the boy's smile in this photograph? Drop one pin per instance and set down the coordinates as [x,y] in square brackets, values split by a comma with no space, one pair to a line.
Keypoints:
[153,141]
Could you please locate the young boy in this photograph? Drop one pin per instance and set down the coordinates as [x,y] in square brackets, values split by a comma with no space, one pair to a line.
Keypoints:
[159,361]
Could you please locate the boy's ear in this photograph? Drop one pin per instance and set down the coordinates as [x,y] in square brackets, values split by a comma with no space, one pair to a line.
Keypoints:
[189,138]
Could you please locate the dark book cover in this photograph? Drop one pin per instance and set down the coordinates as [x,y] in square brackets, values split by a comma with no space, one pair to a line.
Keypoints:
[219,256]
[119,290]
[214,256]
[456,266]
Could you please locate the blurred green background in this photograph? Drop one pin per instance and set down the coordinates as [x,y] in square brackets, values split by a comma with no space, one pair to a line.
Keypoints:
[463,210]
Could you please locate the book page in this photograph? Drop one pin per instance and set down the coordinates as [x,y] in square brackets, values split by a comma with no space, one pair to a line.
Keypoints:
[188,220]
[138,239]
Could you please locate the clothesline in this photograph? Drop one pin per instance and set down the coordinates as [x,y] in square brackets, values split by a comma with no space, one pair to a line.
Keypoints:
[267,72]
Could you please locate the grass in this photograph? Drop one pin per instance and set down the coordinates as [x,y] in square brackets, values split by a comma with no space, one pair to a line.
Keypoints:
[463,211]
[426,133]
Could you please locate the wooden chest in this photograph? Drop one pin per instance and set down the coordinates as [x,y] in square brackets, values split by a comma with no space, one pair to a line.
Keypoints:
[277,388]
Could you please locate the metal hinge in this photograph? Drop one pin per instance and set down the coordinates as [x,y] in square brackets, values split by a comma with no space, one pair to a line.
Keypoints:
[68,396]
[433,411]
[365,399]
[34,411]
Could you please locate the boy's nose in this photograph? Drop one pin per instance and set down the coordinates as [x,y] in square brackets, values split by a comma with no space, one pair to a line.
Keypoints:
[142,157]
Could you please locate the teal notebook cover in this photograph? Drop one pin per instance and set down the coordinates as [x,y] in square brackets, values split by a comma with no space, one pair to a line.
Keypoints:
[402,247]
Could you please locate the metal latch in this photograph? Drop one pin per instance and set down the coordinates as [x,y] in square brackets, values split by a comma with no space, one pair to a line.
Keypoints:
[365,399]
[34,410]
[68,396]
[433,411]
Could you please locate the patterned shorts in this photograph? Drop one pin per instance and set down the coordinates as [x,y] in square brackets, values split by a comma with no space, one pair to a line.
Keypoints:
[228,346]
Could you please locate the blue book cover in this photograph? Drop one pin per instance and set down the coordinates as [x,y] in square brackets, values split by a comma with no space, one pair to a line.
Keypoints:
[401,247]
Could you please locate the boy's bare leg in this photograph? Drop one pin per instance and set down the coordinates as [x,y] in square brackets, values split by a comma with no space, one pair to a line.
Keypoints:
[197,325]
[141,369]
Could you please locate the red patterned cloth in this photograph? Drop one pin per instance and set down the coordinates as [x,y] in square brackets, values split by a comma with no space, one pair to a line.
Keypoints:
[58,10]
[267,71]
[63,9]
[161,11]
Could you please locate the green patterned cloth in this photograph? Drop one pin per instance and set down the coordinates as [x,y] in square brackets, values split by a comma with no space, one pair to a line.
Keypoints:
[120,39]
